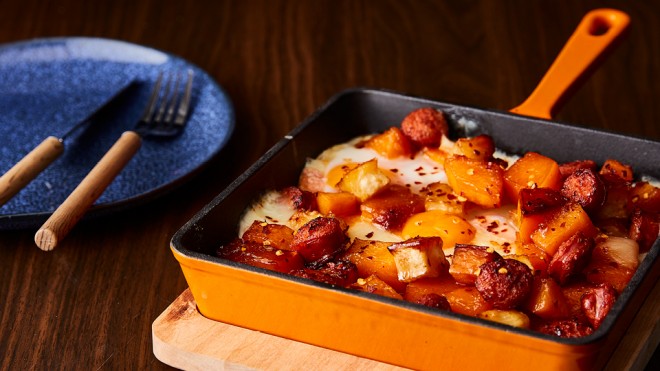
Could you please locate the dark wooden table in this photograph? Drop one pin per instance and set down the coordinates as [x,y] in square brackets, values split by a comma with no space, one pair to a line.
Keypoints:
[90,303]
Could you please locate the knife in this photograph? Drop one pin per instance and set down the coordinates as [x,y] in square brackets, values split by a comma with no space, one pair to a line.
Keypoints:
[44,154]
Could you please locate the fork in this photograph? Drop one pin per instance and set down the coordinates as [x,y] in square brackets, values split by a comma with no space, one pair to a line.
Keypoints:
[164,115]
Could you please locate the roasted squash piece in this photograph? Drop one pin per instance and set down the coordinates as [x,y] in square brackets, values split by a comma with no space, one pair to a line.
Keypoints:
[480,182]
[646,197]
[546,299]
[339,204]
[533,170]
[480,147]
[373,258]
[419,257]
[536,206]
[391,143]
[467,300]
[614,170]
[335,174]
[442,285]
[570,220]
[375,285]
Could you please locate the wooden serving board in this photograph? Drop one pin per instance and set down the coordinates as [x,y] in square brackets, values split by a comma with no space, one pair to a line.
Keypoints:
[185,339]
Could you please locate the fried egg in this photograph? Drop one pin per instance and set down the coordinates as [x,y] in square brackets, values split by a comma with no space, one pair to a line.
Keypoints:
[489,227]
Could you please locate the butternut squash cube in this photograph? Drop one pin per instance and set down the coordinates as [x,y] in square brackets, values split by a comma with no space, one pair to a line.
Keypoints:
[375,285]
[570,220]
[468,301]
[340,204]
[479,181]
[546,299]
[391,143]
[533,170]
[373,258]
[479,148]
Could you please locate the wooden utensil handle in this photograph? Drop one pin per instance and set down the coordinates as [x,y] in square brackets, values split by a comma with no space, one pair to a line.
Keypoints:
[88,191]
[29,167]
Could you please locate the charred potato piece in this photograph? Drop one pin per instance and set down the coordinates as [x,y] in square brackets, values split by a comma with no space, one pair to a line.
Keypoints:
[508,317]
[547,300]
[419,257]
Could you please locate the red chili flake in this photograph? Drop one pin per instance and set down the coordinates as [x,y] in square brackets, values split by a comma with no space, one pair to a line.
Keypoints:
[370,234]
[394,170]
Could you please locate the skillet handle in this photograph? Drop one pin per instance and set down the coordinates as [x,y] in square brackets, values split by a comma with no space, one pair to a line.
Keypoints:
[88,191]
[596,34]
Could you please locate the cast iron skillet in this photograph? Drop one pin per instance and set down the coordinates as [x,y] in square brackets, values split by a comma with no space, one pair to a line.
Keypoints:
[363,111]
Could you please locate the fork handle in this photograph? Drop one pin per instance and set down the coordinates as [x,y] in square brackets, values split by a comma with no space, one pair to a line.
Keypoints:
[29,167]
[88,191]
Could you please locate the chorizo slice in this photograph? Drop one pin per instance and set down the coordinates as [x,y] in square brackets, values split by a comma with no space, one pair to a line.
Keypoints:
[569,168]
[341,273]
[300,199]
[504,283]
[644,228]
[567,328]
[597,302]
[425,127]
[571,257]
[585,187]
[319,239]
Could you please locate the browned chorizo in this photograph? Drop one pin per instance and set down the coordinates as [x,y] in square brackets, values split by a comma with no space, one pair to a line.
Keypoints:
[537,200]
[569,168]
[597,302]
[571,257]
[319,239]
[585,187]
[299,199]
[504,283]
[644,228]
[341,273]
[567,328]
[425,127]
[433,300]
[258,255]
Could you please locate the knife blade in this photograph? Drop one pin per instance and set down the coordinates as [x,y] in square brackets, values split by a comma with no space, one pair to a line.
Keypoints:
[46,152]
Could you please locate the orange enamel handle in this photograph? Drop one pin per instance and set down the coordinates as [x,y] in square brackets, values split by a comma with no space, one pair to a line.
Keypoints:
[594,37]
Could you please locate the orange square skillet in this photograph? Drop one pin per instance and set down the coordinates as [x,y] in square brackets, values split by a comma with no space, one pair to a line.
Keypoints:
[410,293]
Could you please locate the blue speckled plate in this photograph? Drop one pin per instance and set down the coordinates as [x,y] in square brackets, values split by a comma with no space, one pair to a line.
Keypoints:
[48,85]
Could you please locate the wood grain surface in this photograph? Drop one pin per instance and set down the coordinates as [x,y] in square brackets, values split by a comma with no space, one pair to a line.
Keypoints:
[91,302]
